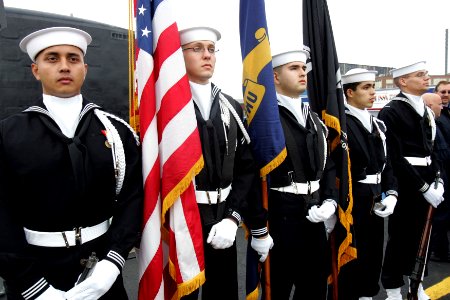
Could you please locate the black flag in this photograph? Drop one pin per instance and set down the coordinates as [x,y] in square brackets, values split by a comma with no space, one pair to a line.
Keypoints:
[327,99]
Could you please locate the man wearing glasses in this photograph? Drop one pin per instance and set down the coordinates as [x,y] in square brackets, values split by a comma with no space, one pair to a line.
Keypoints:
[439,244]
[410,135]
[443,90]
[227,188]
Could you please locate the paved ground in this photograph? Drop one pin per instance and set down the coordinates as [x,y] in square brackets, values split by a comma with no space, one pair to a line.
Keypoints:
[437,273]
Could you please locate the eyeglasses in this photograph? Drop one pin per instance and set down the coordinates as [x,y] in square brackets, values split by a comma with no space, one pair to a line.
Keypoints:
[421,74]
[444,92]
[211,50]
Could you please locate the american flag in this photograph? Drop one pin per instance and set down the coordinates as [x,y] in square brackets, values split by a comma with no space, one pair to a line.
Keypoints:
[171,261]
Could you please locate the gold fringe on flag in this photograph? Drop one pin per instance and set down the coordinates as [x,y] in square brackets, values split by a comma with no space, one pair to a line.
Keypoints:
[332,122]
[346,252]
[173,195]
[188,287]
[253,295]
[274,163]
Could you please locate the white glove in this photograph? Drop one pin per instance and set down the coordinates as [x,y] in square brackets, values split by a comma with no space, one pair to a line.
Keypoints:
[51,293]
[389,202]
[262,246]
[330,223]
[222,234]
[318,214]
[96,285]
[434,196]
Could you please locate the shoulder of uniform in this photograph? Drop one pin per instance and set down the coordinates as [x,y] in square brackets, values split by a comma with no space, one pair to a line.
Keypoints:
[325,128]
[317,116]
[119,120]
[236,105]
[233,101]
[380,123]
[390,106]
[313,112]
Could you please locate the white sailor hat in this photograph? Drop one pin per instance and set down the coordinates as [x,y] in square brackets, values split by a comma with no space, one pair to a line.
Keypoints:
[39,40]
[199,33]
[418,66]
[358,75]
[283,58]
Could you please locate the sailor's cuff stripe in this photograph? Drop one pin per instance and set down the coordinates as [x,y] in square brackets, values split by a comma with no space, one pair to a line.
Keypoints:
[259,232]
[116,258]
[392,192]
[425,187]
[36,289]
[237,216]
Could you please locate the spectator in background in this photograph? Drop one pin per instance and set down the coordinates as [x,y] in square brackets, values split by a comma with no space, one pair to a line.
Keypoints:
[439,244]
[434,102]
[443,90]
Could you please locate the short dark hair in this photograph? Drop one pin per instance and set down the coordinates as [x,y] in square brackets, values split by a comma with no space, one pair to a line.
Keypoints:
[351,86]
[277,69]
[442,82]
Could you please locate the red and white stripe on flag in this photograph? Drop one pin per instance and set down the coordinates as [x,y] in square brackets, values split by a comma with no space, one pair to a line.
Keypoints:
[171,260]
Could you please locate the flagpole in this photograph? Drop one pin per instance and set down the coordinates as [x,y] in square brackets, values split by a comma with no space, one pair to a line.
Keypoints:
[265,201]
[334,269]
[131,68]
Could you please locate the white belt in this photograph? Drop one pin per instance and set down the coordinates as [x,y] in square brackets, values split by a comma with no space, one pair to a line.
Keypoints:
[213,197]
[419,161]
[300,188]
[66,238]
[372,179]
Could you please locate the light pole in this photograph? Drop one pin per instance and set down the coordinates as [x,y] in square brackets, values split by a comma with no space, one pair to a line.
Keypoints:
[446,51]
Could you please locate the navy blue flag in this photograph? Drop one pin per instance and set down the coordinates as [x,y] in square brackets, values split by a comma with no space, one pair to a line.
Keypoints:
[261,108]
[260,100]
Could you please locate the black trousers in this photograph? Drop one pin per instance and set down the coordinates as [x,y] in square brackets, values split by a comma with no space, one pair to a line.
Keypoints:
[439,243]
[405,231]
[360,277]
[61,268]
[220,272]
[300,257]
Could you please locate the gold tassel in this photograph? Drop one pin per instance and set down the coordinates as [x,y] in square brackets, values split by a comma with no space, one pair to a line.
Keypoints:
[346,252]
[253,295]
[188,287]
[173,195]
[273,163]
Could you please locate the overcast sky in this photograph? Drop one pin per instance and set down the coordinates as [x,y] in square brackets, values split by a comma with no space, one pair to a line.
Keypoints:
[374,32]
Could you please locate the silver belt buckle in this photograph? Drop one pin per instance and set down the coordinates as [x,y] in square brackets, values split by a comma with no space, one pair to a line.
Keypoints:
[309,187]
